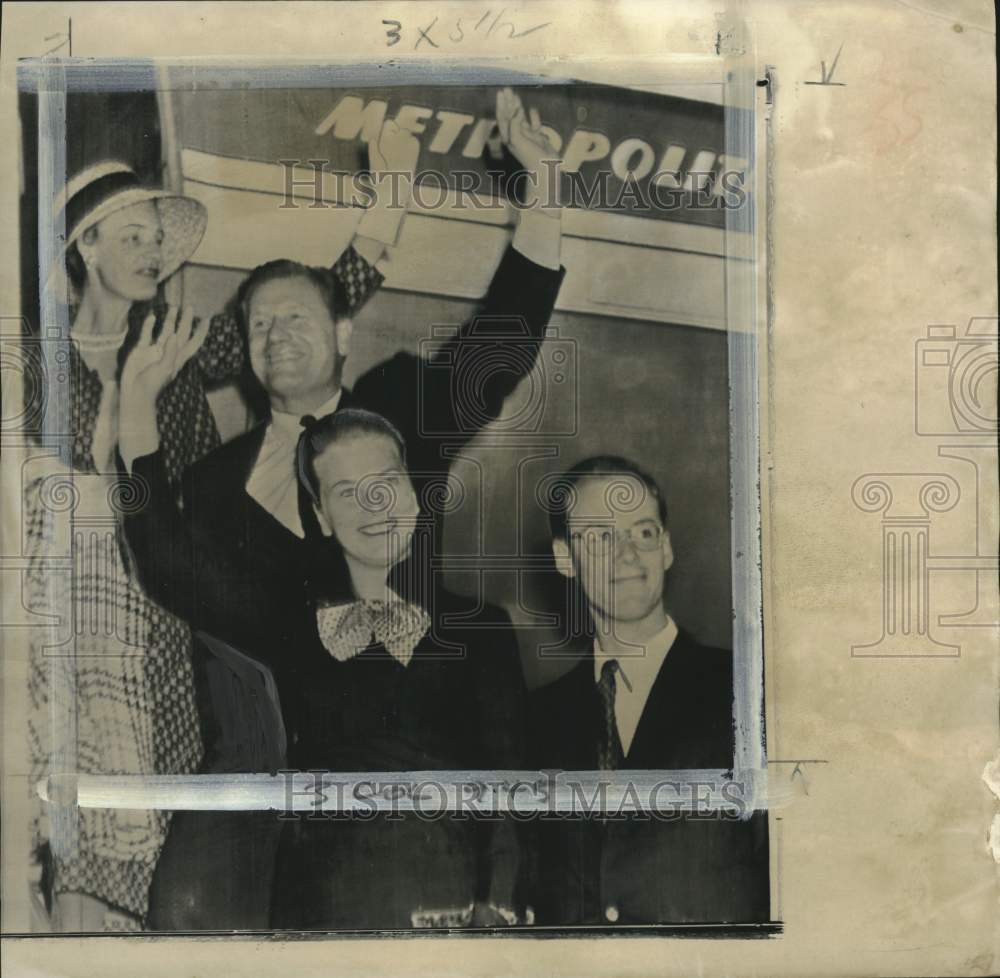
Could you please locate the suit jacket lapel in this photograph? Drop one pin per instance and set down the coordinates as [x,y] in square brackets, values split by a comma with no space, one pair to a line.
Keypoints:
[237,474]
[253,527]
[654,743]
[228,468]
[247,454]
[584,719]
[680,726]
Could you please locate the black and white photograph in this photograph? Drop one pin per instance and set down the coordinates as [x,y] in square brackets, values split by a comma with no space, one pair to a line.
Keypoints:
[387,423]
[499,489]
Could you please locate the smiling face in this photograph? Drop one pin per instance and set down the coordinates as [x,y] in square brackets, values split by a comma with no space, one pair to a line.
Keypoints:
[618,548]
[294,344]
[124,251]
[367,499]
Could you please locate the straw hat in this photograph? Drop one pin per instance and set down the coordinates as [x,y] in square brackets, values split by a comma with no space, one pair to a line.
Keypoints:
[102,189]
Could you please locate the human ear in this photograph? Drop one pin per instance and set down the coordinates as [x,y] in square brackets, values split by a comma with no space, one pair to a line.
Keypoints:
[564,561]
[86,244]
[344,331]
[667,550]
[324,526]
[404,503]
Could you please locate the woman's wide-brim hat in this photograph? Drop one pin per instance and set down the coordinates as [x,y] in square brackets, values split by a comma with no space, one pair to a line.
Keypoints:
[104,188]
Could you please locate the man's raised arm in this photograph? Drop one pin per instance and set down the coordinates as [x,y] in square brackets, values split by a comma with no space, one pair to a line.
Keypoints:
[464,385]
[499,345]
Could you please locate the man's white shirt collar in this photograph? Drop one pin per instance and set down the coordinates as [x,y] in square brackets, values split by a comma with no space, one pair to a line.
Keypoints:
[637,671]
[273,481]
[291,424]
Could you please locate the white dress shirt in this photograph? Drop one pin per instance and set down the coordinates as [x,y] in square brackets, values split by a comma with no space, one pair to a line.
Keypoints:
[538,236]
[637,671]
[273,481]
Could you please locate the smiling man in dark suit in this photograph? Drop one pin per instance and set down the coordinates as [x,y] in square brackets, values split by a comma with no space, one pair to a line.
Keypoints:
[644,696]
[243,497]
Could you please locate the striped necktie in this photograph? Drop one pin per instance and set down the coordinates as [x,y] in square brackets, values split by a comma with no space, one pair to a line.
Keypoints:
[610,755]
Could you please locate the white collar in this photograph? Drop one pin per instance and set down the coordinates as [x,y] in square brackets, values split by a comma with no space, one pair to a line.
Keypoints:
[292,423]
[640,666]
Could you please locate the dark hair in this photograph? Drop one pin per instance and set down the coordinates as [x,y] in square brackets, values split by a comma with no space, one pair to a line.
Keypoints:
[562,492]
[339,426]
[330,288]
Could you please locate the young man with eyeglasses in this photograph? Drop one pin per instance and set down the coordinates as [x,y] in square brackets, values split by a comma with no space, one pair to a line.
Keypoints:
[645,696]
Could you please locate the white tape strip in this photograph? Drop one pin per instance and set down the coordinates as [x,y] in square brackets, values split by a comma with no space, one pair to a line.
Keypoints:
[425,792]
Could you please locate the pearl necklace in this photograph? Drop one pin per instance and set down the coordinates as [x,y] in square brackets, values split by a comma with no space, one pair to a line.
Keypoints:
[99,342]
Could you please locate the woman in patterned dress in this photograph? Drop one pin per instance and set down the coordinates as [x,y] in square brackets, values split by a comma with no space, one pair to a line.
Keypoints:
[110,681]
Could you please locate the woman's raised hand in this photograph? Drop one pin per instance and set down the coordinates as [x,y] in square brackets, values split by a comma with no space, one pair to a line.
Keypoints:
[152,364]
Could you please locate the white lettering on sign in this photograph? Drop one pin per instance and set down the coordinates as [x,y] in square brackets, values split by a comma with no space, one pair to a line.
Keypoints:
[622,156]
[669,174]
[477,140]
[700,172]
[632,159]
[351,117]
[585,147]
[412,117]
[452,123]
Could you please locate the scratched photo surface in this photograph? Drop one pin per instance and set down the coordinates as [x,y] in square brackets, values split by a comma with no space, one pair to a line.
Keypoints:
[381,545]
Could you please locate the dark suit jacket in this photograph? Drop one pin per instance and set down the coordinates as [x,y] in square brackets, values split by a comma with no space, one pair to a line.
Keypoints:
[690,869]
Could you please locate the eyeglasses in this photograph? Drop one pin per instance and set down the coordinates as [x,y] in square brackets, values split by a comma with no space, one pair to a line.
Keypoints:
[644,535]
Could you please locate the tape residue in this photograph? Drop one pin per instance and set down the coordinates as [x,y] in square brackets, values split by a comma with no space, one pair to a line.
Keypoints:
[991,775]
